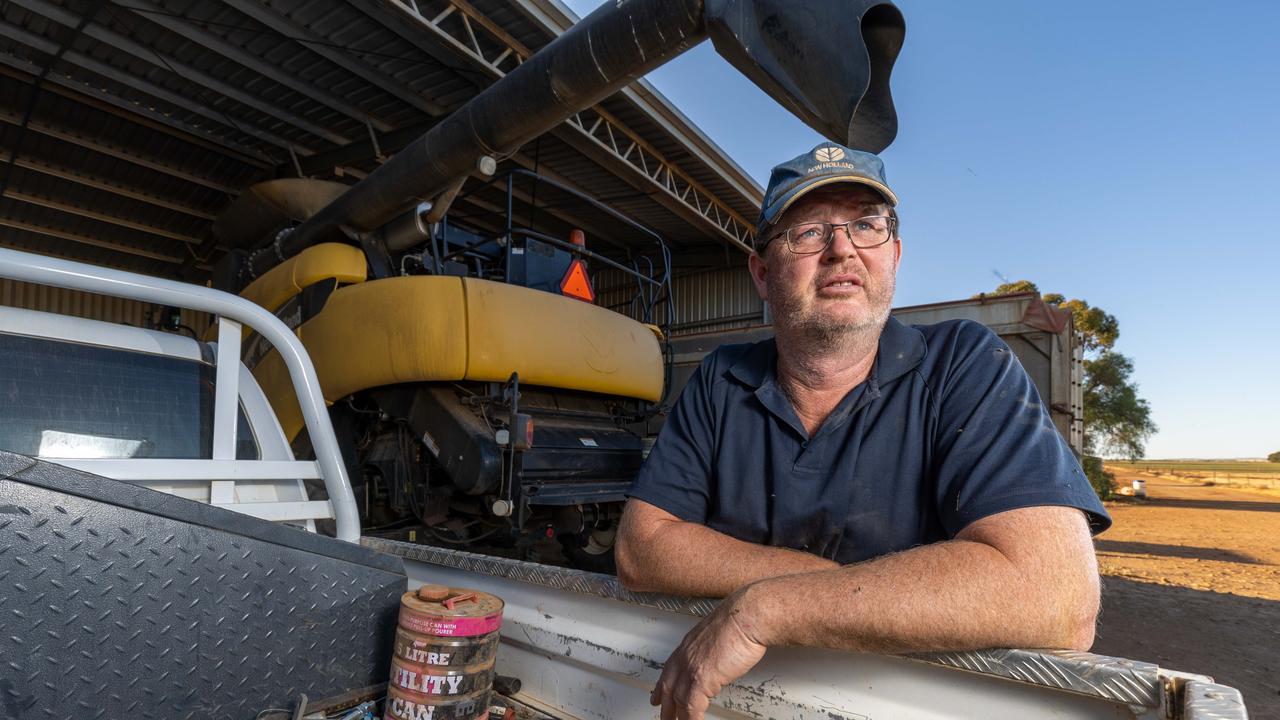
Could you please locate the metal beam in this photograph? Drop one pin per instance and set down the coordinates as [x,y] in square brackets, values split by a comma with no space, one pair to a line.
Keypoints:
[86,240]
[100,217]
[180,69]
[45,45]
[359,151]
[676,191]
[126,108]
[304,36]
[551,16]
[150,119]
[602,137]
[72,137]
[70,175]
[186,28]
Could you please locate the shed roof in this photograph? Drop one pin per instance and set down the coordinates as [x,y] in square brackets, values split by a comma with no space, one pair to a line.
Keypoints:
[128,127]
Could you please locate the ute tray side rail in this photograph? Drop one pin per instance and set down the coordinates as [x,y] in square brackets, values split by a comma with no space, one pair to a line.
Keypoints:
[222,470]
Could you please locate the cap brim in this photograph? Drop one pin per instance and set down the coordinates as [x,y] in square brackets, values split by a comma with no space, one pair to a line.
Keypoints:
[803,190]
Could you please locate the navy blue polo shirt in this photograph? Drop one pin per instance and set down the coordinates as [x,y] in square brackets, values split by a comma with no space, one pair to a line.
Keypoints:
[947,429]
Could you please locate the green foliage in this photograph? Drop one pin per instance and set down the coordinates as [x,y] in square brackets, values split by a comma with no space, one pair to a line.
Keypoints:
[1017,286]
[1100,329]
[1116,420]
[1103,482]
[1274,457]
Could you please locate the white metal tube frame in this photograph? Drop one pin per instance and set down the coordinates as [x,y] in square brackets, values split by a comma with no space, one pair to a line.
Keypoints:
[232,312]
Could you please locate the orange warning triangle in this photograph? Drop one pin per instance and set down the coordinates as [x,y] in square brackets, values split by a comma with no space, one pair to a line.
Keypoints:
[576,284]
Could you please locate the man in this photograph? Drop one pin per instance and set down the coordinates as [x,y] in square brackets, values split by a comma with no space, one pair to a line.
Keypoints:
[909,477]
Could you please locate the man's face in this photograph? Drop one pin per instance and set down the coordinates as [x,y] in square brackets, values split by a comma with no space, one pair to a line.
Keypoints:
[840,291]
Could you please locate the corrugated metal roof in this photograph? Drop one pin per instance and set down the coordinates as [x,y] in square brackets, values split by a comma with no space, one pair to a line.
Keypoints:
[129,128]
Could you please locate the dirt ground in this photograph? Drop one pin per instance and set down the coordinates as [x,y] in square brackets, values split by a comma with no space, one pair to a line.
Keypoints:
[1192,583]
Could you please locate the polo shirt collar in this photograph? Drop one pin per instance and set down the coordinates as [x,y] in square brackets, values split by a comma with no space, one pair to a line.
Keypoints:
[901,349]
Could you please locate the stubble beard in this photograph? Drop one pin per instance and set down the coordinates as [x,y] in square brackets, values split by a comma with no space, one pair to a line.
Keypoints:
[819,332]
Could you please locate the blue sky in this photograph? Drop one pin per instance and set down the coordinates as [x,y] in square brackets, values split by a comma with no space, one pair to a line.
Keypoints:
[1124,153]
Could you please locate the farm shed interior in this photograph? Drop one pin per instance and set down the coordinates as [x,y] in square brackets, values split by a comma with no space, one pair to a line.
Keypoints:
[127,128]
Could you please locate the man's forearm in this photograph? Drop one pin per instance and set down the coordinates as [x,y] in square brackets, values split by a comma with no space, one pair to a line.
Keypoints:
[957,595]
[682,558]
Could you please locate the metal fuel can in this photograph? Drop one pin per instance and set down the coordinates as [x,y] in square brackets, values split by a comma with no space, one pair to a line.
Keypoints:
[443,662]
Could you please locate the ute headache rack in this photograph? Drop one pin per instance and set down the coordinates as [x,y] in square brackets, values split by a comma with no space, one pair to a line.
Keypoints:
[222,471]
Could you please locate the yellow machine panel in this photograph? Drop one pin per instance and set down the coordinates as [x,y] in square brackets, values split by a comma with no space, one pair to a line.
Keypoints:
[558,342]
[316,263]
[439,328]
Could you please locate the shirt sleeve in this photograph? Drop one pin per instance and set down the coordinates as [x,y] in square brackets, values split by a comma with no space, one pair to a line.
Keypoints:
[996,447]
[676,476]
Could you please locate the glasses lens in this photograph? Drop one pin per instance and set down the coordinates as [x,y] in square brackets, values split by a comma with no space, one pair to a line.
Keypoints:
[808,238]
[870,231]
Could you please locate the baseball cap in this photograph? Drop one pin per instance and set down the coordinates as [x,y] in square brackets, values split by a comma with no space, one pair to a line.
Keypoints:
[825,164]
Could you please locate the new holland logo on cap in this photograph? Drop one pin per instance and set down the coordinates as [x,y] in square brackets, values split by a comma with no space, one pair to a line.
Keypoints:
[828,154]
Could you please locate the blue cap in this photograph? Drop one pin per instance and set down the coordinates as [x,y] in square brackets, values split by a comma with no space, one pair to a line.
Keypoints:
[825,164]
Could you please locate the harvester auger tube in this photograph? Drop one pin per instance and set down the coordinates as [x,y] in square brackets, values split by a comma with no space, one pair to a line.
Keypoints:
[828,62]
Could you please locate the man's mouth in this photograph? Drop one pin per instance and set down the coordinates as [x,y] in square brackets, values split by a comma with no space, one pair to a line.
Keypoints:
[842,282]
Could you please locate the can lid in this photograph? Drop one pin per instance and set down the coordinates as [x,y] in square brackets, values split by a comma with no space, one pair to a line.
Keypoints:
[452,603]
[433,593]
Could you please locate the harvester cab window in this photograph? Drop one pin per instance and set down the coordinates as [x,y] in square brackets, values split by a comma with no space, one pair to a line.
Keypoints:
[70,400]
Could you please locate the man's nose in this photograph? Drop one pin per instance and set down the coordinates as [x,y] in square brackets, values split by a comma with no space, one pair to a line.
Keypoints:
[841,245]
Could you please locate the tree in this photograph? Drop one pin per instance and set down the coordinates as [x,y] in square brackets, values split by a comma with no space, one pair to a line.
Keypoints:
[1274,457]
[1116,420]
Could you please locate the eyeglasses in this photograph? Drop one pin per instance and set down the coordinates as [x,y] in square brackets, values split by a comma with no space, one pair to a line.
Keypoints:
[813,238]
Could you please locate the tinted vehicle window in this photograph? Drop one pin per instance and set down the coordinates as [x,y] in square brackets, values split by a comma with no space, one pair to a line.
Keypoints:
[67,400]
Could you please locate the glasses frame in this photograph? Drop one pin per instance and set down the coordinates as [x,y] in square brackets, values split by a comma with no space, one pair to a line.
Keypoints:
[831,234]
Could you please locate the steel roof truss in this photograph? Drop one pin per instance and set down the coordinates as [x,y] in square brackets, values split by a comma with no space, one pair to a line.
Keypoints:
[678,192]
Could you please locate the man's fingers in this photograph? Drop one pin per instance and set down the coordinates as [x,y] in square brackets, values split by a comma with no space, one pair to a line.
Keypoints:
[669,710]
[695,706]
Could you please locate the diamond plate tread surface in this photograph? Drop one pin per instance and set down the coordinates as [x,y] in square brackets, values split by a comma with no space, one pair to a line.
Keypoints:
[1127,681]
[1211,701]
[121,602]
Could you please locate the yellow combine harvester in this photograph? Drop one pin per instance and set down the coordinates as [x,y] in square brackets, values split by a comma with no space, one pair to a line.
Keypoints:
[477,387]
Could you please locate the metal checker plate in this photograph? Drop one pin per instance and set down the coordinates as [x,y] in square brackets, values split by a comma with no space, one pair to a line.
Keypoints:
[1210,701]
[112,607]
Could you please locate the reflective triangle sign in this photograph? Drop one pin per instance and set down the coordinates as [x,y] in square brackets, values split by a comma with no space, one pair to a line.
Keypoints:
[576,284]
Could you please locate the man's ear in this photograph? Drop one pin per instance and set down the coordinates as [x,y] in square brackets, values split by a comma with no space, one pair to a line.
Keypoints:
[897,253]
[759,268]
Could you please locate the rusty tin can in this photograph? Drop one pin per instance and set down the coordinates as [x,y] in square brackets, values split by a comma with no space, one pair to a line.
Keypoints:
[445,646]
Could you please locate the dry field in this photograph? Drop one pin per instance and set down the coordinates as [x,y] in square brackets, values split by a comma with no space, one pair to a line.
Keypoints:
[1192,582]
[1222,472]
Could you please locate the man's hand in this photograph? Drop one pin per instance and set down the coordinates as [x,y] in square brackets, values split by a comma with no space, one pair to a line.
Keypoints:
[717,651]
